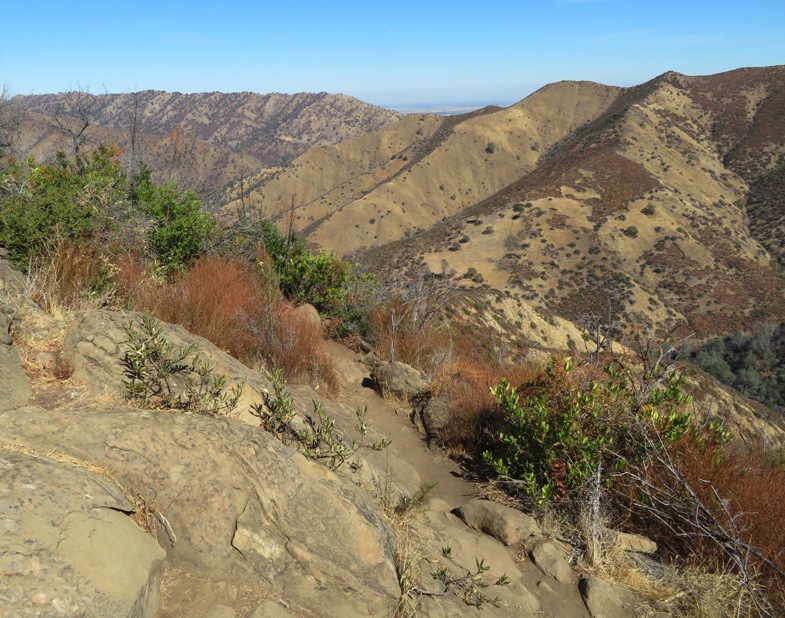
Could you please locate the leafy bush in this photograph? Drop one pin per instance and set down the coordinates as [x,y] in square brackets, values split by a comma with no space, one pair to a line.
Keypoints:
[570,422]
[179,229]
[59,200]
[631,231]
[152,365]
[338,290]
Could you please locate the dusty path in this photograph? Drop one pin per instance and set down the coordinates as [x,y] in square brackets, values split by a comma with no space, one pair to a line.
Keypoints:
[431,465]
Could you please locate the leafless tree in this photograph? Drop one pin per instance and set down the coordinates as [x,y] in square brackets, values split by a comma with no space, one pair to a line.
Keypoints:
[9,119]
[133,127]
[74,112]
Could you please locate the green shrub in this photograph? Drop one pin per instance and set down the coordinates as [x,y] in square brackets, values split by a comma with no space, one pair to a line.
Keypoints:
[152,366]
[631,231]
[61,201]
[179,229]
[569,423]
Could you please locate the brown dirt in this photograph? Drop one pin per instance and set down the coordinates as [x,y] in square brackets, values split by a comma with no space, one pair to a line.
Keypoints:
[431,465]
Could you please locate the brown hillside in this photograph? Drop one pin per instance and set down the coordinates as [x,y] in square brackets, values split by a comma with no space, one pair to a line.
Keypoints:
[580,199]
[206,141]
[375,189]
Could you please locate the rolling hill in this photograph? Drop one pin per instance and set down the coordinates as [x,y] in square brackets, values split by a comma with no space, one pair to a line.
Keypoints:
[661,199]
[203,141]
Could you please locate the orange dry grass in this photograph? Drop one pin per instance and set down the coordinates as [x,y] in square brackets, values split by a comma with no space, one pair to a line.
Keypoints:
[466,384]
[752,487]
[230,304]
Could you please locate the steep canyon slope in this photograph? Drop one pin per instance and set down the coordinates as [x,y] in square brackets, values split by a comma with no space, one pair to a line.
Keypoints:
[662,199]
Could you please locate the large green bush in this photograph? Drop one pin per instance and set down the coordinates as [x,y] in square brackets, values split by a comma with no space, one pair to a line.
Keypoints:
[559,429]
[179,229]
[41,202]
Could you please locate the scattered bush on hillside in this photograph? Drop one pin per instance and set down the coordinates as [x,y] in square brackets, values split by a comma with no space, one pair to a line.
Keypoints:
[753,364]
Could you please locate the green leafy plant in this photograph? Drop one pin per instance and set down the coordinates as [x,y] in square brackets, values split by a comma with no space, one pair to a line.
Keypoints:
[565,427]
[159,375]
[320,440]
[63,200]
[179,228]
[470,588]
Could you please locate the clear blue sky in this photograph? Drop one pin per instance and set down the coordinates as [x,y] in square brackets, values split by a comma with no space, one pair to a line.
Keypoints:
[388,53]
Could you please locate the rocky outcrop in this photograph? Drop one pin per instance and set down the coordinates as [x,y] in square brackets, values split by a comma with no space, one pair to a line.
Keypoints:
[232,499]
[68,546]
[401,381]
[14,386]
[506,524]
[551,558]
[604,600]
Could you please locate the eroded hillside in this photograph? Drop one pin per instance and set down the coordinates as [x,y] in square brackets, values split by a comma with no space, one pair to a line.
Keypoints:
[581,198]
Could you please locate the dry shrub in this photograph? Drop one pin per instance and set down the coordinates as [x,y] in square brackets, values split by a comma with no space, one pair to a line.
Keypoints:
[401,333]
[288,340]
[69,275]
[466,383]
[745,490]
[236,308]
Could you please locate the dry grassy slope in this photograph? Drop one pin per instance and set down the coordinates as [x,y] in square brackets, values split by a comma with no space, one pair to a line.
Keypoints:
[270,127]
[179,156]
[372,190]
[559,238]
[746,108]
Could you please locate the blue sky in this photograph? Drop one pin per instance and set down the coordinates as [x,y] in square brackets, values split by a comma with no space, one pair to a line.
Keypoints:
[390,53]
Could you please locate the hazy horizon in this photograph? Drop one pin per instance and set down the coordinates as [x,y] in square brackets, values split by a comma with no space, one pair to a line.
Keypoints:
[403,55]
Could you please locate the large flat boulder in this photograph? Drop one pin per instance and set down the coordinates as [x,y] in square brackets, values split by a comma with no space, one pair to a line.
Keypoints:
[233,500]
[504,523]
[67,546]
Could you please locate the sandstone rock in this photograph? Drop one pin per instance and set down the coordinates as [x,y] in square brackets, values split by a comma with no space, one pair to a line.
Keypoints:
[551,559]
[309,314]
[221,611]
[636,543]
[67,548]
[236,502]
[604,600]
[435,417]
[506,524]
[271,609]
[401,381]
[443,529]
[94,345]
[7,314]
[14,386]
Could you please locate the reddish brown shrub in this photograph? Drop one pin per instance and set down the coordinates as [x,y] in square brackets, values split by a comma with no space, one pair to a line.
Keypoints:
[466,384]
[745,491]
[230,304]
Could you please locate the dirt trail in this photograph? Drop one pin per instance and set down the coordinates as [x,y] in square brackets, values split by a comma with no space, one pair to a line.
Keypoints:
[431,465]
